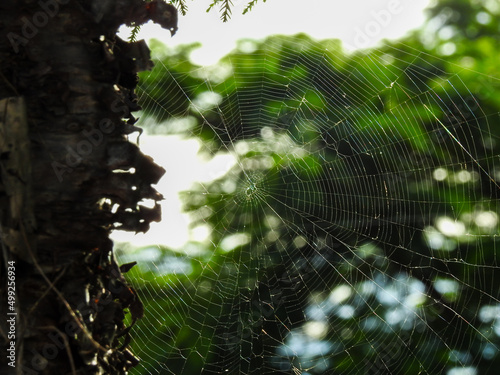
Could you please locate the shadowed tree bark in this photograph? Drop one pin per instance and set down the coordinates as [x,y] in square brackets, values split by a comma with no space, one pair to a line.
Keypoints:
[68,176]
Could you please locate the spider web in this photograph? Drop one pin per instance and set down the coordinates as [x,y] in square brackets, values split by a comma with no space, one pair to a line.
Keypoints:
[356,231]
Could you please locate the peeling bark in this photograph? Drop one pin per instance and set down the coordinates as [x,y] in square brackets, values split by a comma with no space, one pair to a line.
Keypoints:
[69,176]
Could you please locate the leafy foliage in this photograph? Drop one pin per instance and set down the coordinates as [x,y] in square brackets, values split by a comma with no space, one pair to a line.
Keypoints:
[392,118]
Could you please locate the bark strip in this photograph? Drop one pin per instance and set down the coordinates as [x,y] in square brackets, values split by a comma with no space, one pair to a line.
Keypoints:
[69,176]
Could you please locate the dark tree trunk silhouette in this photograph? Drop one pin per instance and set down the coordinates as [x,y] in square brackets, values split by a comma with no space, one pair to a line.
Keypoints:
[68,176]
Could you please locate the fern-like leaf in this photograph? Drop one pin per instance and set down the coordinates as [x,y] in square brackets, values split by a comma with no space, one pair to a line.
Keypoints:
[250,5]
[133,34]
[225,8]
[212,5]
[181,6]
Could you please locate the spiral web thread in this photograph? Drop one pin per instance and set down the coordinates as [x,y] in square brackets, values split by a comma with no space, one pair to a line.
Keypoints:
[356,232]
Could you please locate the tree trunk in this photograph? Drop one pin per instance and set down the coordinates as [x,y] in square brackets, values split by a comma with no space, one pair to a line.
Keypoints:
[68,176]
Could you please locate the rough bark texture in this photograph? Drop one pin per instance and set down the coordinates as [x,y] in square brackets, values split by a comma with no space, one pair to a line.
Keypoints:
[68,176]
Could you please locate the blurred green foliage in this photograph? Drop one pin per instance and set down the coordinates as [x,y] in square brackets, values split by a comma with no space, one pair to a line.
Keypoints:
[352,234]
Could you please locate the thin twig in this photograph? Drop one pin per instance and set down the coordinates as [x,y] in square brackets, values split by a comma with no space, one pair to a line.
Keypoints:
[47,291]
[9,84]
[66,346]
[61,297]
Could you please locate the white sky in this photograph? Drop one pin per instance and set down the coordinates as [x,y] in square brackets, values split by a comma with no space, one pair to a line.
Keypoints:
[358,23]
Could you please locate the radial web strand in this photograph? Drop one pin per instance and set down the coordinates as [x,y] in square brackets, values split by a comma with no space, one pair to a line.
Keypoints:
[356,230]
